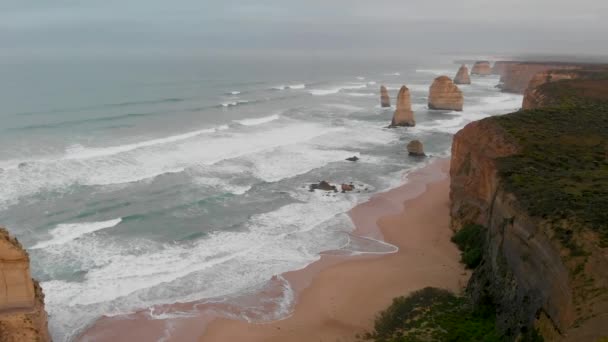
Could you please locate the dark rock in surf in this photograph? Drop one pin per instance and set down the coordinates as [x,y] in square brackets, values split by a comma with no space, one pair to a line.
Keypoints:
[323,185]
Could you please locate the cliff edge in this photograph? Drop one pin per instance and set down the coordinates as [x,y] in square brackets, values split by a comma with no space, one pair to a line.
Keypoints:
[22,314]
[536,179]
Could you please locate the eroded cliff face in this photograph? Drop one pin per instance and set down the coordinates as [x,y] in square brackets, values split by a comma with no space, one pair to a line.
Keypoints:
[403,116]
[481,68]
[22,314]
[500,67]
[537,96]
[462,77]
[516,77]
[529,275]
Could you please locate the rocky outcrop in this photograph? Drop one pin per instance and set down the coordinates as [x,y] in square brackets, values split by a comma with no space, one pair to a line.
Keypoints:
[22,315]
[352,159]
[500,67]
[444,94]
[403,116]
[517,76]
[482,68]
[385,100]
[462,77]
[324,186]
[415,148]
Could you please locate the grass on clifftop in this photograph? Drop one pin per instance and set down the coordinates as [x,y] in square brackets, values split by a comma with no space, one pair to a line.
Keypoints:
[561,173]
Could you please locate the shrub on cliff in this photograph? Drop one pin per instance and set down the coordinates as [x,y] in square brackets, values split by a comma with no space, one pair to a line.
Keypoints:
[434,315]
[470,241]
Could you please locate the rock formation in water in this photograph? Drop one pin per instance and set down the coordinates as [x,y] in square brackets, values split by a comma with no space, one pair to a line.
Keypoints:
[403,116]
[385,100]
[481,68]
[500,67]
[544,263]
[353,159]
[444,94]
[323,185]
[347,187]
[415,148]
[22,315]
[462,77]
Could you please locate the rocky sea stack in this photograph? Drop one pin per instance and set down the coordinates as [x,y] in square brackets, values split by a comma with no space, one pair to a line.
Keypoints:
[444,94]
[462,77]
[482,68]
[385,99]
[415,148]
[22,314]
[403,115]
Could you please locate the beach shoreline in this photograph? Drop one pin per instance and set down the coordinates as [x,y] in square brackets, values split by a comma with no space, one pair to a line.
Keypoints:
[342,300]
[338,296]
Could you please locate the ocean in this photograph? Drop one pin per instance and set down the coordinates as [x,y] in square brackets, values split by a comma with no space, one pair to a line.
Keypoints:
[137,183]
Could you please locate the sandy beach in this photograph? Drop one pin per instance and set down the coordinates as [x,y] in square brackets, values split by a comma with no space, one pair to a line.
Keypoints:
[338,296]
[342,299]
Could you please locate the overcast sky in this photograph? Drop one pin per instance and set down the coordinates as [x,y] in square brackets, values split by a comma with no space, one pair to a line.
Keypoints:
[62,28]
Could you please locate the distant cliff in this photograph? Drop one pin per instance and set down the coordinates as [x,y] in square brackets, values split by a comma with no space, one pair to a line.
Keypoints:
[537,180]
[515,77]
[537,95]
[22,315]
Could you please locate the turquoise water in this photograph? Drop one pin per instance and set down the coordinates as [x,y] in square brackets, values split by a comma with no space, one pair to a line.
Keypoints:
[135,184]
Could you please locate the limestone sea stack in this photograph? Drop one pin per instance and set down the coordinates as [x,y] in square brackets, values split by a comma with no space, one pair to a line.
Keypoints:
[385,99]
[482,68]
[462,77]
[444,94]
[415,148]
[403,115]
[22,315]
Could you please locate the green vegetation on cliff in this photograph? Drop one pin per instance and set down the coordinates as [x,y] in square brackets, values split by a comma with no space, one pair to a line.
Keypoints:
[470,241]
[434,315]
[561,172]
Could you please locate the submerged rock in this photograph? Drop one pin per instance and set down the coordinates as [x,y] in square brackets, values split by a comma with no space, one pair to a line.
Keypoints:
[444,94]
[385,99]
[323,185]
[403,116]
[353,158]
[415,148]
[462,77]
[482,68]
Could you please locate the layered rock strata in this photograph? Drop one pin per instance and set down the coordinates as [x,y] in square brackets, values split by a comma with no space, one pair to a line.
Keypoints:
[462,77]
[403,116]
[22,314]
[482,68]
[444,94]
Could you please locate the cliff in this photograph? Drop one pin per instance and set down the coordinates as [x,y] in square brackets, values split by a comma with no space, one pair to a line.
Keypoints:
[22,315]
[403,115]
[481,68]
[462,77]
[444,94]
[536,179]
[516,76]
[500,67]
[537,95]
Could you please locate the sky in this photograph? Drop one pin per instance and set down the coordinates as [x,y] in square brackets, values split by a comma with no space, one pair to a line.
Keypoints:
[111,28]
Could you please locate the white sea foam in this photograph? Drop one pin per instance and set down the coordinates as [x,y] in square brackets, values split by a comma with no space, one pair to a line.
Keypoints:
[67,232]
[436,71]
[361,94]
[297,86]
[335,90]
[143,161]
[360,78]
[235,92]
[82,152]
[258,121]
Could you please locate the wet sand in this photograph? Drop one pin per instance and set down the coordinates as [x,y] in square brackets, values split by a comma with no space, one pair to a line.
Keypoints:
[336,297]
[342,299]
